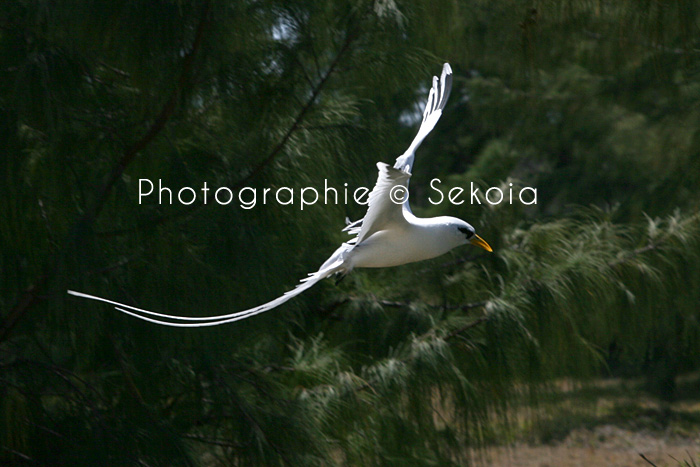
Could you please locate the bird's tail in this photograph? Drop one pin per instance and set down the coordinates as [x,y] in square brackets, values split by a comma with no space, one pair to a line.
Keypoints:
[333,265]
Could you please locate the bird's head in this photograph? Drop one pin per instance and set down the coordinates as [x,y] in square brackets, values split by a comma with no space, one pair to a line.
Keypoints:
[467,232]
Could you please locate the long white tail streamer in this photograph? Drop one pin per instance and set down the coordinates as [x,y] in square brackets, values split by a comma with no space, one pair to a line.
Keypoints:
[207,321]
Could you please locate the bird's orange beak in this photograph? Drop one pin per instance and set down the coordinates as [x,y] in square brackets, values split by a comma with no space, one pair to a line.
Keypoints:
[478,241]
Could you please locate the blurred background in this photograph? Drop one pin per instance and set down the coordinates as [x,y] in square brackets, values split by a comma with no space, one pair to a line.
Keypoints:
[584,318]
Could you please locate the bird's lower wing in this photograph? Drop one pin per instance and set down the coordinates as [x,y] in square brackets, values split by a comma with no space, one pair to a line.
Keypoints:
[333,265]
[384,205]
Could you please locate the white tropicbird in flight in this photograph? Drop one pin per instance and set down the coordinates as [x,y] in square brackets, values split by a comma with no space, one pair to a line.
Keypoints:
[388,235]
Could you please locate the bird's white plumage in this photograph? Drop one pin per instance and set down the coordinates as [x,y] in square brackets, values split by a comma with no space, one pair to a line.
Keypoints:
[198,322]
[388,235]
[382,211]
[437,98]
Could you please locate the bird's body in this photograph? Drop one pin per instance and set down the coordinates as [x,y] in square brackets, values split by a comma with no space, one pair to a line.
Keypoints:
[417,240]
[389,234]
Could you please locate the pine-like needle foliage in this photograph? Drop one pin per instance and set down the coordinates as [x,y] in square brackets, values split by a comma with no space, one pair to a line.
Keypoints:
[594,103]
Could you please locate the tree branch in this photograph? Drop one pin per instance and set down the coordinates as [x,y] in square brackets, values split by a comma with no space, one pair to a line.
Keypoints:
[158,124]
[473,324]
[272,155]
[32,294]
[647,460]
[214,442]
[300,116]
[466,306]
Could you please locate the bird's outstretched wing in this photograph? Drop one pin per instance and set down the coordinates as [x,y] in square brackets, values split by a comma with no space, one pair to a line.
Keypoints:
[437,98]
[331,266]
[385,205]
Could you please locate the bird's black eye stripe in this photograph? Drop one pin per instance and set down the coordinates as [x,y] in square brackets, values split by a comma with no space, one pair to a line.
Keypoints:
[466,231]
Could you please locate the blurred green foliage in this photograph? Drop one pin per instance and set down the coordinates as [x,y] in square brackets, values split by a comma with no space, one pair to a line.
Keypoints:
[595,103]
